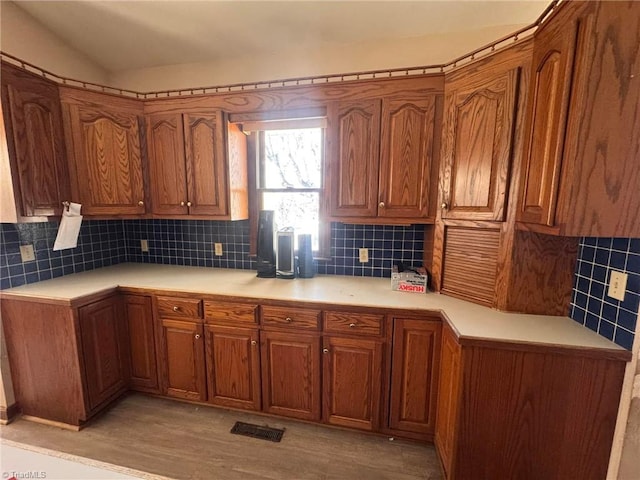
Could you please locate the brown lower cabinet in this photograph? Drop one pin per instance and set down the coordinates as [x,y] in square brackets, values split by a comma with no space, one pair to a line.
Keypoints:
[415,366]
[525,411]
[352,382]
[233,366]
[182,350]
[142,344]
[103,334]
[291,374]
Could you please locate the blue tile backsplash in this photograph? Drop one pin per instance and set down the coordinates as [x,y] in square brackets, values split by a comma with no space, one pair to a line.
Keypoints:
[190,242]
[590,305]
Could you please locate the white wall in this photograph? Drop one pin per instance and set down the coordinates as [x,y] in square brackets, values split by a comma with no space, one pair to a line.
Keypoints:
[418,51]
[24,37]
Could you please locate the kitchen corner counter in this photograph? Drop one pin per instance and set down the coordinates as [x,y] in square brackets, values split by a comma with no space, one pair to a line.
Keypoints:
[470,321]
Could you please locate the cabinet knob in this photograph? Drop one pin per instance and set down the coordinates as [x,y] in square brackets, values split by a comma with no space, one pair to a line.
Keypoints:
[288,319]
[325,350]
[444,205]
[352,325]
[141,203]
[188,204]
[197,336]
[182,204]
[176,309]
[254,343]
[381,204]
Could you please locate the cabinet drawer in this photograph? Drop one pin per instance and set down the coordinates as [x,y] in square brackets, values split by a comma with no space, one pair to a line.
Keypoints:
[230,313]
[355,323]
[302,318]
[179,307]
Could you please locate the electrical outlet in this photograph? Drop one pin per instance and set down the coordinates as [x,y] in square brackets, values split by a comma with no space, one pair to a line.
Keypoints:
[363,253]
[617,285]
[144,245]
[217,249]
[27,254]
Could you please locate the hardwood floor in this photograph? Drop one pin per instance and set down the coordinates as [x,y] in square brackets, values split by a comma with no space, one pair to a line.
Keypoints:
[185,441]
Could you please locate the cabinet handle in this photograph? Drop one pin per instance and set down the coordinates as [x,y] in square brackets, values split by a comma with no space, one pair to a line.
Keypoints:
[176,309]
[381,204]
[197,336]
[352,325]
[444,205]
[288,319]
[182,204]
[254,343]
[325,350]
[188,204]
[141,203]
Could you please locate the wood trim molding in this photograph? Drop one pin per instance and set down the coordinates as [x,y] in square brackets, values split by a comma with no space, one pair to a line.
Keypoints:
[9,414]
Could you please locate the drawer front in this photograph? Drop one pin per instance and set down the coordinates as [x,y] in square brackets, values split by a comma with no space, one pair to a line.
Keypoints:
[302,318]
[179,307]
[354,323]
[230,313]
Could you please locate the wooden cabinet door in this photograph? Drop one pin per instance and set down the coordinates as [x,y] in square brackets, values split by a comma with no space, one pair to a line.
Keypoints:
[414,375]
[103,336]
[206,164]
[106,159]
[448,400]
[233,367]
[168,176]
[142,344]
[36,142]
[183,359]
[291,374]
[352,383]
[352,175]
[552,67]
[479,130]
[406,157]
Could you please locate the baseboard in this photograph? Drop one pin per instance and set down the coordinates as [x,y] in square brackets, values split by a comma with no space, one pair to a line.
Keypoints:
[9,414]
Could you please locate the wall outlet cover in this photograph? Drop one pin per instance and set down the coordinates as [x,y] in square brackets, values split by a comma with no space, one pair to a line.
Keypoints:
[617,285]
[363,253]
[144,245]
[217,247]
[27,253]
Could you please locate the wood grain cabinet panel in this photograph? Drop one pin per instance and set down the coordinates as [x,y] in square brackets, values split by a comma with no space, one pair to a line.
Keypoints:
[142,343]
[354,159]
[35,137]
[103,142]
[352,382]
[415,368]
[198,165]
[478,146]
[233,367]
[406,157]
[103,334]
[291,374]
[183,359]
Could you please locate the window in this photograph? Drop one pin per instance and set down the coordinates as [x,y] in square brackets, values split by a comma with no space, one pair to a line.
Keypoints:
[289,157]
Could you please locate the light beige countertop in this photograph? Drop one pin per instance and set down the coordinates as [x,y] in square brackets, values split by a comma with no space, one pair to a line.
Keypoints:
[471,321]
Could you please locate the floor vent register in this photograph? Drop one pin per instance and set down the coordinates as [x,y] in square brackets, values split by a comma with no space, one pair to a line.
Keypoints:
[257,431]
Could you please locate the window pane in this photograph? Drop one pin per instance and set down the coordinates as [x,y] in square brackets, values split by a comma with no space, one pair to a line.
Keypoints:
[298,210]
[293,158]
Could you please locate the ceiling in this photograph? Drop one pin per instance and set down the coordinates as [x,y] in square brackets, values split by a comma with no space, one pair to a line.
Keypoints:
[123,35]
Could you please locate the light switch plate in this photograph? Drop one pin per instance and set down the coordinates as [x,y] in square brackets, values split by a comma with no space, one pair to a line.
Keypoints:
[144,245]
[363,253]
[617,285]
[217,247]
[27,254]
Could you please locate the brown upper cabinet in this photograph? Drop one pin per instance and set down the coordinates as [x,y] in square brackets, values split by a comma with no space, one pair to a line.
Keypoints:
[381,158]
[105,159]
[478,145]
[35,141]
[581,174]
[197,165]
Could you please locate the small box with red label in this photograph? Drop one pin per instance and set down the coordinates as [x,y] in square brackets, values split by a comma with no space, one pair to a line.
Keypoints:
[410,280]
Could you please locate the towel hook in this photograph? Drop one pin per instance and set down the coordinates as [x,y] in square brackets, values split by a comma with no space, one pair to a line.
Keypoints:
[66,205]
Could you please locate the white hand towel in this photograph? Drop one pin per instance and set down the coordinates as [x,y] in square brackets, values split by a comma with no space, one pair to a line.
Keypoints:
[69,228]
